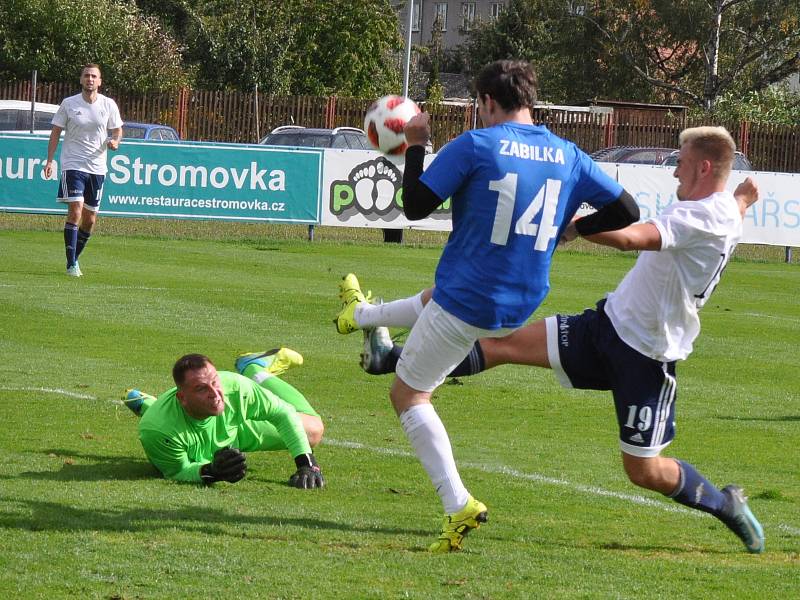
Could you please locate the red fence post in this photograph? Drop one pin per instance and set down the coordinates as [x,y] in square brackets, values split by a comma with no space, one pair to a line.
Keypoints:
[330,112]
[744,137]
[608,137]
[183,108]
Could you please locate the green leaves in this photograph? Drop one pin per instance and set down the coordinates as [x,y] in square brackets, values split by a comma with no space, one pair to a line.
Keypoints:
[293,47]
[58,37]
[689,51]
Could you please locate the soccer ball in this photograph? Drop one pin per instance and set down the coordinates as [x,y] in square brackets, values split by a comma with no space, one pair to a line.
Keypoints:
[385,120]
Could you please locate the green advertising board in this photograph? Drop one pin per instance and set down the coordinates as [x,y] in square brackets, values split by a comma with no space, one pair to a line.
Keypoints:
[190,180]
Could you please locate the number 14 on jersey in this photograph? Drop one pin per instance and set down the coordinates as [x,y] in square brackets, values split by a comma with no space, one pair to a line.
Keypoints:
[544,202]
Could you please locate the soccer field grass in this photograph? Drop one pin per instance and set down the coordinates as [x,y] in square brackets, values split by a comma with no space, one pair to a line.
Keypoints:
[83,515]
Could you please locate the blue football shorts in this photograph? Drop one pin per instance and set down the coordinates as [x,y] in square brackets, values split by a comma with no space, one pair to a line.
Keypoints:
[585,352]
[79,186]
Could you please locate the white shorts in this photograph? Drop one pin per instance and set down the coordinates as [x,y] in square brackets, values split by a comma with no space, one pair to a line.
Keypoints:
[437,343]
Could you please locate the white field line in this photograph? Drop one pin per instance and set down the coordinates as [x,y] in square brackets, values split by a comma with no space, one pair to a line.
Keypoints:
[579,487]
[60,285]
[48,391]
[774,317]
[789,529]
[503,470]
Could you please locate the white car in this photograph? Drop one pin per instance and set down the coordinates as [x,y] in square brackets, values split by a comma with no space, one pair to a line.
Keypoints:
[15,116]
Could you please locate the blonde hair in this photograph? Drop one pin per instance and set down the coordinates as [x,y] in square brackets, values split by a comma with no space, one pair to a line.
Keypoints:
[714,144]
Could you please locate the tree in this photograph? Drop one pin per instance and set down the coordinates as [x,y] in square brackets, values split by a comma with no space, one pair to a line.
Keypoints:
[57,37]
[569,54]
[235,44]
[697,50]
[688,51]
[344,47]
[775,105]
[287,46]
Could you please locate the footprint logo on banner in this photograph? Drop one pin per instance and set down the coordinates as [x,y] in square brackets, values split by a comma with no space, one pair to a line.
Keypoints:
[376,186]
[373,189]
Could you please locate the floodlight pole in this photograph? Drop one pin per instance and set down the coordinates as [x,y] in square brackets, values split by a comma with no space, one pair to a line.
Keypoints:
[408,47]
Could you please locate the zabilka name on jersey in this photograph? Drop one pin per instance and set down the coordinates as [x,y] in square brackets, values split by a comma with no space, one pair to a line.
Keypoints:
[538,153]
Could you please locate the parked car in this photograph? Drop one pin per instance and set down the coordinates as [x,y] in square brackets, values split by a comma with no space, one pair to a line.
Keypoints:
[306,137]
[638,155]
[149,131]
[15,116]
[740,161]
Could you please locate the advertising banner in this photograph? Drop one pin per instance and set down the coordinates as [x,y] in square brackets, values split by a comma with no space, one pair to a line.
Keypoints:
[181,180]
[350,188]
[364,189]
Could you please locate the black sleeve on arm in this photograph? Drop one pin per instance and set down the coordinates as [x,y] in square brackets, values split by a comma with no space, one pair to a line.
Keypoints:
[616,215]
[418,199]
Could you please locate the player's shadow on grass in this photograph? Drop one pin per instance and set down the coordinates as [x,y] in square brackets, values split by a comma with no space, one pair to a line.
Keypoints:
[657,549]
[93,467]
[39,515]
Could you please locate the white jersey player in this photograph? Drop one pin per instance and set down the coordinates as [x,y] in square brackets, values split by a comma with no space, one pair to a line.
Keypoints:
[630,343]
[86,120]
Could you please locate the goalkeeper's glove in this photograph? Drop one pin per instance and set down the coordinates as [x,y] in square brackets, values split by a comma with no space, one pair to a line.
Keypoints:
[229,465]
[308,475]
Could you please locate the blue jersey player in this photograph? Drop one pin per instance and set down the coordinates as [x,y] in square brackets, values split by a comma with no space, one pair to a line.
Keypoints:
[631,342]
[514,188]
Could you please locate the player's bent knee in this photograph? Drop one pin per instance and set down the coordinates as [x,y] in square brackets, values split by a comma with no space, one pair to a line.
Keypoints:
[642,479]
[651,473]
[314,429]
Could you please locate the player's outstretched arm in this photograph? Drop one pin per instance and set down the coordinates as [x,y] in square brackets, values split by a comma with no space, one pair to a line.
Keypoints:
[169,456]
[642,236]
[286,420]
[618,214]
[610,229]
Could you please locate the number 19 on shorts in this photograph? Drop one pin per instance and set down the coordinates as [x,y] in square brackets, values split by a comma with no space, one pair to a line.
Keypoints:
[545,202]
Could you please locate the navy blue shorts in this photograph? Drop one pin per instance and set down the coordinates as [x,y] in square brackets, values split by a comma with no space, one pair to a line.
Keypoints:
[585,352]
[79,186]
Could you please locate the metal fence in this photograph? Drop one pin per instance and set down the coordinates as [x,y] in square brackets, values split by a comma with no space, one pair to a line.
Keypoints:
[232,116]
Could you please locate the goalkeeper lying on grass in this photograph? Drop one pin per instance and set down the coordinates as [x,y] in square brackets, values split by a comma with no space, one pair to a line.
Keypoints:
[200,429]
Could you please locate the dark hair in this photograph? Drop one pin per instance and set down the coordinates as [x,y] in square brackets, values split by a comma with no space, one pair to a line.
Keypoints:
[91,66]
[190,362]
[510,83]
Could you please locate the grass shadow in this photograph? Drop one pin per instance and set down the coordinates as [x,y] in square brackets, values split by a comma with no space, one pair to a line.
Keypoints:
[657,550]
[39,515]
[101,468]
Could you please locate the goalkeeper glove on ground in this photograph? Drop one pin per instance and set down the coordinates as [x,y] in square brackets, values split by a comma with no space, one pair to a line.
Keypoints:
[229,465]
[308,475]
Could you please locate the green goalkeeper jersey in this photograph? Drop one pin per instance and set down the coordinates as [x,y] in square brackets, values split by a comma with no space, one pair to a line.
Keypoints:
[179,445]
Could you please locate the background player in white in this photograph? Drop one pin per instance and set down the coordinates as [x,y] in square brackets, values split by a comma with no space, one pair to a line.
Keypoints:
[85,119]
[631,342]
[514,187]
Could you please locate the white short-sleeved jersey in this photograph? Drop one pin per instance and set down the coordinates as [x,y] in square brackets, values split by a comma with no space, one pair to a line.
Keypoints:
[655,307]
[85,132]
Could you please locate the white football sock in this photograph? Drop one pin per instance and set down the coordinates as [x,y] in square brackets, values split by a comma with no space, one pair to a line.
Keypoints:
[398,313]
[427,435]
